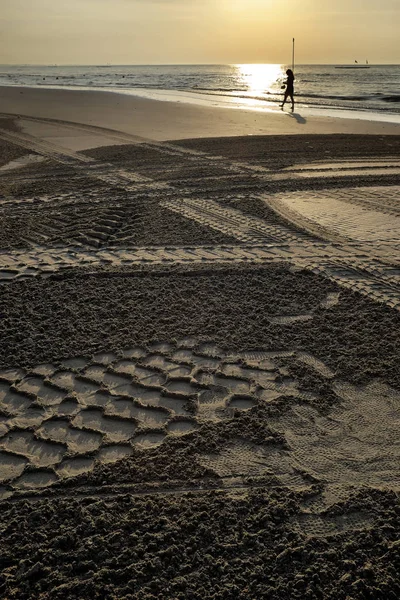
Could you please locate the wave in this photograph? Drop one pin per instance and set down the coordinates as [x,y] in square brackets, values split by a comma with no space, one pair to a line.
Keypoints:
[216,89]
[391,98]
[317,99]
[334,97]
[243,94]
[351,98]
[274,94]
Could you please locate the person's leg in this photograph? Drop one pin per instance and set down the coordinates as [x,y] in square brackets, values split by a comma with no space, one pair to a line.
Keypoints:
[284,99]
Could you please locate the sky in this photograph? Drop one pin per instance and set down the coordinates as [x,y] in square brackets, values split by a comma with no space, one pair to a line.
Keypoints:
[198,31]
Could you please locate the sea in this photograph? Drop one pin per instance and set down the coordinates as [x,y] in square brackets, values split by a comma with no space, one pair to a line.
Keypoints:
[368,90]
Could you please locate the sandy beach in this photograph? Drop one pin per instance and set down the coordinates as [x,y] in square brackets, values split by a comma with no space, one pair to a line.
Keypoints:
[199,367]
[172,120]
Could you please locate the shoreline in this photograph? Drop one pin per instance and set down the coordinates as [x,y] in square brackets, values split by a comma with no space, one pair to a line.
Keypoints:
[226,100]
[170,120]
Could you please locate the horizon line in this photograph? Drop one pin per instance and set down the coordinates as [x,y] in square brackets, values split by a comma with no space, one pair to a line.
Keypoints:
[218,64]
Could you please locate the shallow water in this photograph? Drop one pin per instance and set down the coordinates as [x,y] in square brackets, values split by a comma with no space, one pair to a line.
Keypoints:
[374,89]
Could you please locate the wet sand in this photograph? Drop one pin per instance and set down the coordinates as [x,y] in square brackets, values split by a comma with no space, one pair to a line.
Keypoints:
[158,120]
[199,383]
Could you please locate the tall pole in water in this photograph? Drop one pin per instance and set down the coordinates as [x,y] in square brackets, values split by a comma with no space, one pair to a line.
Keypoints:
[293,56]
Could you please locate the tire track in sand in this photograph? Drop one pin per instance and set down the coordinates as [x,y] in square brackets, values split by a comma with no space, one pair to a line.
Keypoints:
[368,275]
[318,169]
[379,282]
[51,435]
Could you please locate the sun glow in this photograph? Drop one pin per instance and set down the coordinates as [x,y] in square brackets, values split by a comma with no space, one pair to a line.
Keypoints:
[259,79]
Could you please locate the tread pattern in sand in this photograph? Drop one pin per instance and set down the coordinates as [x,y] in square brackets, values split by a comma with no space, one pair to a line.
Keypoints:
[360,214]
[61,420]
[65,417]
[229,221]
[104,172]
[350,168]
[365,266]
[323,525]
[374,279]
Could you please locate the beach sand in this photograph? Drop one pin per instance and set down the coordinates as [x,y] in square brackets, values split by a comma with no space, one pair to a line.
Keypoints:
[199,367]
[171,120]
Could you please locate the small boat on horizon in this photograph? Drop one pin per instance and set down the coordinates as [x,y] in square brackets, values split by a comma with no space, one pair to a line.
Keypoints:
[355,66]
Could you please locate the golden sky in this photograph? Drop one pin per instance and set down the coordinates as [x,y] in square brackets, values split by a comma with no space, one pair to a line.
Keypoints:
[198,31]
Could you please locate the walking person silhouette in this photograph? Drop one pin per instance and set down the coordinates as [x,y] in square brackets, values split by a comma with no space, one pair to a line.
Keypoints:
[289,91]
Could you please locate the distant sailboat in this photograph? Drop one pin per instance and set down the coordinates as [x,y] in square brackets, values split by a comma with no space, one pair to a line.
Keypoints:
[355,66]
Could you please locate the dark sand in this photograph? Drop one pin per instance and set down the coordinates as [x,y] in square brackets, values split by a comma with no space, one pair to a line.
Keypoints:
[80,315]
[254,406]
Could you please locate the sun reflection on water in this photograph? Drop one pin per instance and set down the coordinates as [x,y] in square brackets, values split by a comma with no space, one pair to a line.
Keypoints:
[259,79]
